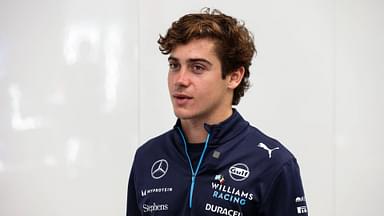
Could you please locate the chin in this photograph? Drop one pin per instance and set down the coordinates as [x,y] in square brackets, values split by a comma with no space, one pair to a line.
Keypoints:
[183,114]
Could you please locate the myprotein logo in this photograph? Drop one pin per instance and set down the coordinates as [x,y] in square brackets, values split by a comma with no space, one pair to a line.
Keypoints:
[155,190]
[159,169]
[155,207]
[239,172]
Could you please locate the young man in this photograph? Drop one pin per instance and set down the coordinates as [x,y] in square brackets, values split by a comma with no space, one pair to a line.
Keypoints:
[212,162]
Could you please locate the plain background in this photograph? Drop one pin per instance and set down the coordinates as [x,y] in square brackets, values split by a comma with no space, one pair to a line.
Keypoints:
[82,85]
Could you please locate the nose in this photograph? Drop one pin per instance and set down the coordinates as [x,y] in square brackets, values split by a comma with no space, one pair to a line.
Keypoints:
[182,78]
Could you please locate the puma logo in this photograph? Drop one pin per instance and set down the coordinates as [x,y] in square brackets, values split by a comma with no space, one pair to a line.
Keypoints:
[263,146]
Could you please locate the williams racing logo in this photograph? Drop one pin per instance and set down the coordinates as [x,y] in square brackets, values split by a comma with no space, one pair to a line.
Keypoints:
[228,193]
[219,179]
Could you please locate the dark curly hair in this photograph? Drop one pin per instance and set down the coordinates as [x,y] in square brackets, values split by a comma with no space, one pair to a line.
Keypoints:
[234,44]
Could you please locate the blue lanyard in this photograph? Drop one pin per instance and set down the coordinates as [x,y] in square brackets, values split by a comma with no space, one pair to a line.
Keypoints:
[193,172]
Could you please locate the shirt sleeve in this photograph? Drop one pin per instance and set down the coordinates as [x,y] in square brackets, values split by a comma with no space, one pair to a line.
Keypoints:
[286,195]
[132,207]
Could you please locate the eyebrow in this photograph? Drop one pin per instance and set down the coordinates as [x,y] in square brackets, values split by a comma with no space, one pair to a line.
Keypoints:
[192,60]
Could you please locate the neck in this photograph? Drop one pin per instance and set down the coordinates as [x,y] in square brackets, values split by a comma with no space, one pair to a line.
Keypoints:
[194,128]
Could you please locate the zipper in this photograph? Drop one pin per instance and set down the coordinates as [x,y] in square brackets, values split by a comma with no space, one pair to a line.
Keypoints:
[193,172]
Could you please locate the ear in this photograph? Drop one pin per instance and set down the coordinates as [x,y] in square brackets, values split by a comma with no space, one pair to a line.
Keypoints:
[234,78]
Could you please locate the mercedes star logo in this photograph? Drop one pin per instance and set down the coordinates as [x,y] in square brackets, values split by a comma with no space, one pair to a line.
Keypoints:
[159,169]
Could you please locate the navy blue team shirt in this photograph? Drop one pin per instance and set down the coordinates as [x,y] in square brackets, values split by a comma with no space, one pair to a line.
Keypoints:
[239,172]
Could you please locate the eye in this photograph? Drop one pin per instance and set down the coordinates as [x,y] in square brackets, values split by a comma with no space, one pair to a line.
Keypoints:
[173,66]
[197,68]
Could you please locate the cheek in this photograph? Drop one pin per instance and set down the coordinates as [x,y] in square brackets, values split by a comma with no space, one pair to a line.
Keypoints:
[218,91]
[169,80]
[210,90]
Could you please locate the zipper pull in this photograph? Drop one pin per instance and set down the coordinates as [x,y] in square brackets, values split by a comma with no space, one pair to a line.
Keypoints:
[191,191]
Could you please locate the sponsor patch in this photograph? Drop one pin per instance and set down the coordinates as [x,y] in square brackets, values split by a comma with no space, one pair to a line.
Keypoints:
[145,192]
[155,207]
[239,172]
[159,169]
[221,210]
[300,199]
[230,194]
[302,209]
[220,179]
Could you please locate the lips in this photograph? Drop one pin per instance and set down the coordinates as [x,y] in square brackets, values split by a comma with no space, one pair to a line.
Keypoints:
[181,99]
[182,96]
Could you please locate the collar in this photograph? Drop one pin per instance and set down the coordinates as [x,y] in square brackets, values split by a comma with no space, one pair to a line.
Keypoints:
[223,131]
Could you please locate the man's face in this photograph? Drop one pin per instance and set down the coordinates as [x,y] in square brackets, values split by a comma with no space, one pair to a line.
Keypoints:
[195,83]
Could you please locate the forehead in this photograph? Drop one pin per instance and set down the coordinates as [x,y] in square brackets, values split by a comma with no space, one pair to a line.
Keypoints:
[197,48]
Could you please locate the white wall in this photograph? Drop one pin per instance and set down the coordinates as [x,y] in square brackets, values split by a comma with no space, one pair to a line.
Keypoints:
[68,106]
[359,104]
[82,85]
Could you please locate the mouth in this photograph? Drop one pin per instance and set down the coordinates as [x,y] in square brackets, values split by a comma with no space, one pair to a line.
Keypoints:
[181,99]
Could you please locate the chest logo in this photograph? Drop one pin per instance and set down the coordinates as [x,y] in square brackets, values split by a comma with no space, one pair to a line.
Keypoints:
[265,147]
[239,172]
[159,169]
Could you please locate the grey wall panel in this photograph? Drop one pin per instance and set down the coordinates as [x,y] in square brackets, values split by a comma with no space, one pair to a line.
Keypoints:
[82,85]
[292,93]
[68,106]
[359,108]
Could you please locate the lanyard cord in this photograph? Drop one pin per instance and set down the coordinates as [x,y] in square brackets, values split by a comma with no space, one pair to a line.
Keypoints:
[193,172]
